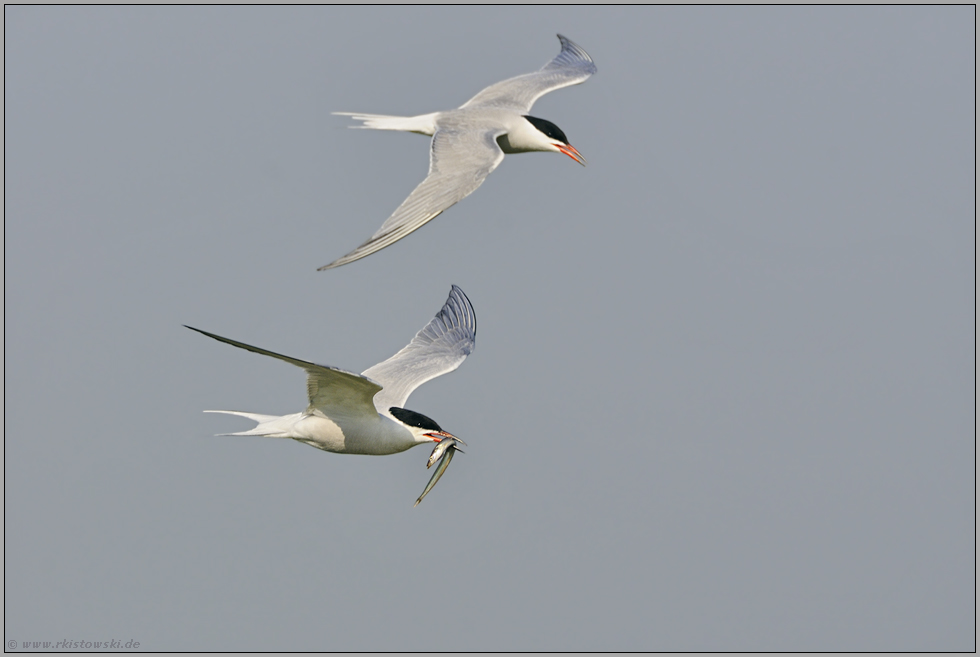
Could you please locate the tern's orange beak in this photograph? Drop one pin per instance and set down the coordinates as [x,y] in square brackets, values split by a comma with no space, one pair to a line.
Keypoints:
[571,152]
[437,436]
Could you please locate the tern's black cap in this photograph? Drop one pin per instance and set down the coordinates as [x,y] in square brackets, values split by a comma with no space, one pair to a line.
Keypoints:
[413,419]
[548,128]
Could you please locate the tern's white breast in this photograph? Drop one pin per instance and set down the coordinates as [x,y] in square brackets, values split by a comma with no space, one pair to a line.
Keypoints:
[376,435]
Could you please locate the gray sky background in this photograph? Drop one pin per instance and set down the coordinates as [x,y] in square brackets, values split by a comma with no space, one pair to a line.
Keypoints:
[723,391]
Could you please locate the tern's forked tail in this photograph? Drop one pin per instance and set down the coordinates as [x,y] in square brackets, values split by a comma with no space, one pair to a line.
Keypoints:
[424,124]
[271,426]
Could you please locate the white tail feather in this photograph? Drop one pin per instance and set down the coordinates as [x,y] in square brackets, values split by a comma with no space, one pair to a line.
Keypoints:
[424,124]
[271,426]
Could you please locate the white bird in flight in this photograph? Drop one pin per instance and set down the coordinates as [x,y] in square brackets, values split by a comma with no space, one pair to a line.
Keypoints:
[363,413]
[468,143]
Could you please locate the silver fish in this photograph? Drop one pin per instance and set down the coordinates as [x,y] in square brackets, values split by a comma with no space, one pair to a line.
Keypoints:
[441,447]
[443,464]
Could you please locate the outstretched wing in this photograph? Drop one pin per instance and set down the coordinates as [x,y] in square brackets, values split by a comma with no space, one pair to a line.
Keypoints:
[333,391]
[459,162]
[572,66]
[440,347]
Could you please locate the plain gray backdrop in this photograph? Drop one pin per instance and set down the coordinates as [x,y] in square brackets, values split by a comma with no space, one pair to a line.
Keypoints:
[723,391]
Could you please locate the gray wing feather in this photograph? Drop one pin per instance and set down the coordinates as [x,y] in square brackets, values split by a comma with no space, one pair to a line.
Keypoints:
[572,66]
[440,347]
[331,390]
[459,162]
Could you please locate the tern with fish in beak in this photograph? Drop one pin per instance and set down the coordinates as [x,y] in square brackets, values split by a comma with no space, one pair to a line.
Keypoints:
[364,413]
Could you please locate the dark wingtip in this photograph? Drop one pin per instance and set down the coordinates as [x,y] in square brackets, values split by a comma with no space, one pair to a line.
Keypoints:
[462,308]
[572,53]
[202,332]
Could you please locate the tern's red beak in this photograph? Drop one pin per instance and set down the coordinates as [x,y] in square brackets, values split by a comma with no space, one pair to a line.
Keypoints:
[437,436]
[571,152]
